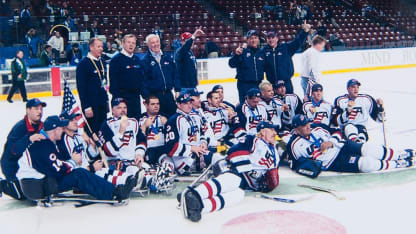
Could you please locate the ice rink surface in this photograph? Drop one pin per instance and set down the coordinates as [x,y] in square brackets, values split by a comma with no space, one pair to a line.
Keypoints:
[376,203]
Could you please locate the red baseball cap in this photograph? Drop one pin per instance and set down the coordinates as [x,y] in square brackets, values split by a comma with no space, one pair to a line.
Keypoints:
[185,36]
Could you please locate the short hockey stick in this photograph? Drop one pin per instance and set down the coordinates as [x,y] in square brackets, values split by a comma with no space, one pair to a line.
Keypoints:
[321,189]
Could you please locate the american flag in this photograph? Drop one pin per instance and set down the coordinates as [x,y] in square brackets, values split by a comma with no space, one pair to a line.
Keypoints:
[70,105]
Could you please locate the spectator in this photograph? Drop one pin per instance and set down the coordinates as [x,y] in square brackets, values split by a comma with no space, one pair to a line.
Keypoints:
[74,56]
[65,11]
[211,49]
[33,42]
[279,10]
[269,5]
[25,19]
[57,43]
[110,50]
[292,13]
[94,30]
[70,23]
[45,58]
[118,37]
[321,30]
[329,17]
[19,75]
[50,8]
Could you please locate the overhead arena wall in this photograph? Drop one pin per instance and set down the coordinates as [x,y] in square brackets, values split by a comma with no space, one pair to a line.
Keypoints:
[212,71]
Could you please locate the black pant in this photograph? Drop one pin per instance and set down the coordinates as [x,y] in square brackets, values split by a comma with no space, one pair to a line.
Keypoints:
[243,87]
[134,107]
[167,102]
[18,84]
[12,188]
[56,55]
[100,115]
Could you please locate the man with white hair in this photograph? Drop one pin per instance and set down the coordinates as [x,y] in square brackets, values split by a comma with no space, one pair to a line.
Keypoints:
[159,76]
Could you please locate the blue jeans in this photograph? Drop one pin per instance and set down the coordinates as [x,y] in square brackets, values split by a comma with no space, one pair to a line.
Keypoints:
[304,84]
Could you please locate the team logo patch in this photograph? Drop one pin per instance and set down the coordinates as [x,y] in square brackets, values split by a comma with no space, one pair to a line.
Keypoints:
[248,54]
[260,58]
[280,53]
[153,63]
[352,160]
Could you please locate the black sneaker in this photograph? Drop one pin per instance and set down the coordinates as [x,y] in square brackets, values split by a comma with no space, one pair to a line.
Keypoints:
[193,205]
[122,192]
[9,100]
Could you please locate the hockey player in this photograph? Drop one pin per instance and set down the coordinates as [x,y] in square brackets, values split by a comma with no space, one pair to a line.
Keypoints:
[41,161]
[315,147]
[254,166]
[292,104]
[353,111]
[23,134]
[272,104]
[186,143]
[251,113]
[225,124]
[224,104]
[122,139]
[317,109]
[81,151]
[152,124]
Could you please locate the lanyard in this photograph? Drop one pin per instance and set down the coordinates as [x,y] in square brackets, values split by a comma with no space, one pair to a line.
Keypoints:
[271,148]
[156,128]
[315,141]
[193,128]
[200,115]
[252,113]
[98,70]
[317,104]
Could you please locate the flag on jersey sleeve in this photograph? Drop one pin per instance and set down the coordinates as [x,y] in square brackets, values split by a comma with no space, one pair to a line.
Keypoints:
[70,105]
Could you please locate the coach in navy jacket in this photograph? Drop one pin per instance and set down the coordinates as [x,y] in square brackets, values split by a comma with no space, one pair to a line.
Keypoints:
[186,62]
[126,76]
[279,64]
[91,84]
[160,76]
[22,135]
[249,63]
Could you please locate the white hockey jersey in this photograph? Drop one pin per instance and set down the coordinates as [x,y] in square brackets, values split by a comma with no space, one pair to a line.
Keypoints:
[68,145]
[274,110]
[155,136]
[252,159]
[220,123]
[356,111]
[122,147]
[320,112]
[310,147]
[295,107]
[251,117]
[199,115]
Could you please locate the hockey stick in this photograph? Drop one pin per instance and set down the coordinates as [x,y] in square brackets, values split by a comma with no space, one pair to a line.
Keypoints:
[384,130]
[182,204]
[321,189]
[284,200]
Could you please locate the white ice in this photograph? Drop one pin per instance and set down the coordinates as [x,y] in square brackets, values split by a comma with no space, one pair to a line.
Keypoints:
[388,209]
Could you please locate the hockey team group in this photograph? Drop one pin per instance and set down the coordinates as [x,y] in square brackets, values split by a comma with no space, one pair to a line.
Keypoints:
[240,147]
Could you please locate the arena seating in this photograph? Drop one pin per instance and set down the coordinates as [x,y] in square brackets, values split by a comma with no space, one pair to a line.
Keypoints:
[355,30]
[141,17]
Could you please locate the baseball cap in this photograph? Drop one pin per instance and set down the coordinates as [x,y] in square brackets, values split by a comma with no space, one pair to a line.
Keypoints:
[185,36]
[300,120]
[194,92]
[35,102]
[265,124]
[69,116]
[183,97]
[317,87]
[252,32]
[353,82]
[272,34]
[216,87]
[254,92]
[279,84]
[53,122]
[117,101]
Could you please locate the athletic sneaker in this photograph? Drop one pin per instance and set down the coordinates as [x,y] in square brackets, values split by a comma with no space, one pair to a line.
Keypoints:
[122,192]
